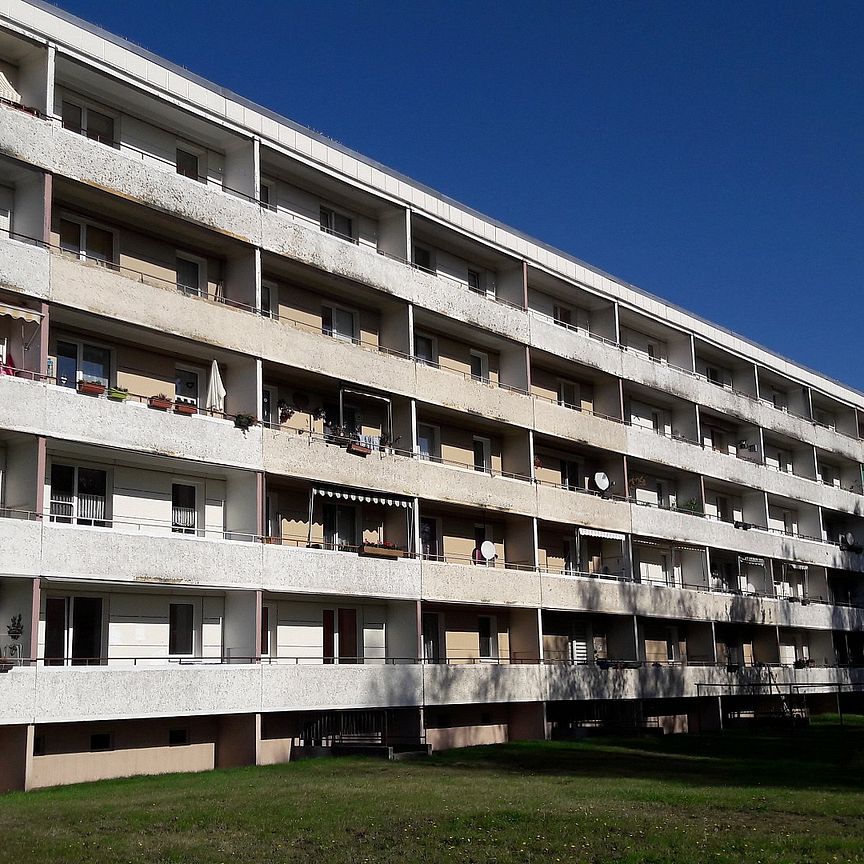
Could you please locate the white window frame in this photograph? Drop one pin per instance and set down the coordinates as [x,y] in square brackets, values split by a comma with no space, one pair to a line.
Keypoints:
[273,287]
[203,280]
[483,357]
[487,453]
[419,334]
[200,505]
[200,153]
[355,321]
[272,187]
[577,394]
[201,372]
[333,211]
[79,343]
[493,639]
[82,224]
[432,269]
[76,465]
[436,441]
[87,105]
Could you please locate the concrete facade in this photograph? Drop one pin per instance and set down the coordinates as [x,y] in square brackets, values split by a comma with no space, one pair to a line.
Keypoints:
[461,487]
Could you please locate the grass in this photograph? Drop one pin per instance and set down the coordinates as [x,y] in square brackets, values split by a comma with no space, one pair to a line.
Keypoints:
[736,797]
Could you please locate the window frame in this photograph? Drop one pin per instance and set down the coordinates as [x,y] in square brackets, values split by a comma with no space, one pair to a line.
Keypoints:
[172,641]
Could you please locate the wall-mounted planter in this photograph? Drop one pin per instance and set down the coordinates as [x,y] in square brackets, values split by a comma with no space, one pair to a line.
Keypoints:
[380,552]
[91,388]
[116,395]
[359,449]
[185,409]
[159,403]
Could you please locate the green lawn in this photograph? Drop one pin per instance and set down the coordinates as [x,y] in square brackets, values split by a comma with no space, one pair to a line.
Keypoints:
[727,798]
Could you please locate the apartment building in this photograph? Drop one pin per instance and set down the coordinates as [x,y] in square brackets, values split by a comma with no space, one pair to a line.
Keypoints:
[297,453]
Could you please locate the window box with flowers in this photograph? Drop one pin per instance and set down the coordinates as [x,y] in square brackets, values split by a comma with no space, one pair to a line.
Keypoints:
[381,550]
[160,402]
[91,388]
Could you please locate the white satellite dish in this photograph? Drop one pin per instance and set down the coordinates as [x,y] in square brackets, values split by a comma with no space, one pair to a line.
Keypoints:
[601,481]
[487,550]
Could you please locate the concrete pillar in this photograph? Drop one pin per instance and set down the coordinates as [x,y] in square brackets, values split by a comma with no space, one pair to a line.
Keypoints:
[16,748]
[527,721]
[238,740]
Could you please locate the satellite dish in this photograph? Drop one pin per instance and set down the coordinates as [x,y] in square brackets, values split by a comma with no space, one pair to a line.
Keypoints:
[487,550]
[601,481]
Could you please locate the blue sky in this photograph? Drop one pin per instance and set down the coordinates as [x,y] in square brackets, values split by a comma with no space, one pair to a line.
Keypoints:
[710,153]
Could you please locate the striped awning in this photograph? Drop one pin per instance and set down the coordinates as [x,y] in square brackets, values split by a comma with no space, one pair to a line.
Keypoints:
[603,535]
[17,312]
[756,562]
[362,497]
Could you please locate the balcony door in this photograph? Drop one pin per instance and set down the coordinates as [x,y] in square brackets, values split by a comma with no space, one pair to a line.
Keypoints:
[80,361]
[340,526]
[340,636]
[73,631]
[79,495]
[431,638]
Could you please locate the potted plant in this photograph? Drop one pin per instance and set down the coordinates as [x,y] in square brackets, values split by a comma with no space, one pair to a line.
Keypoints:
[91,388]
[244,421]
[187,409]
[160,402]
[118,394]
[385,549]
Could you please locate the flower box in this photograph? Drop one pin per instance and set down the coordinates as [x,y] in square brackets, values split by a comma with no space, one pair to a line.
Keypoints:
[117,395]
[185,408]
[160,403]
[359,449]
[380,551]
[91,388]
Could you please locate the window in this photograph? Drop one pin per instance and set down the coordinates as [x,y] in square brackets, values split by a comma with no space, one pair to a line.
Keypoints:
[484,631]
[479,366]
[178,737]
[569,474]
[340,527]
[563,315]
[39,745]
[83,120]
[474,281]
[268,194]
[264,644]
[270,299]
[78,495]
[180,620]
[724,512]
[428,441]
[86,241]
[101,741]
[186,386]
[482,454]
[190,273]
[183,510]
[269,404]
[188,164]
[714,375]
[780,400]
[568,394]
[425,350]
[338,323]
[422,258]
[333,222]
[657,423]
[429,537]
[80,361]
[718,440]
[340,636]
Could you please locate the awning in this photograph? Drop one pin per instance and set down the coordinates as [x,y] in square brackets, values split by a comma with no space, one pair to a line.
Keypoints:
[746,559]
[363,497]
[801,567]
[18,312]
[603,535]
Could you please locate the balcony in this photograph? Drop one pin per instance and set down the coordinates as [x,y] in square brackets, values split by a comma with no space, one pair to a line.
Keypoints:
[39,694]
[40,407]
[482,682]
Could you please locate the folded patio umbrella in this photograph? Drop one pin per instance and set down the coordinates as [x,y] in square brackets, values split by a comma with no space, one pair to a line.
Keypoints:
[215,390]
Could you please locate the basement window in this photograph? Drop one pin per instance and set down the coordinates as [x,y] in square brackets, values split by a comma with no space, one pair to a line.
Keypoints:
[178,737]
[101,741]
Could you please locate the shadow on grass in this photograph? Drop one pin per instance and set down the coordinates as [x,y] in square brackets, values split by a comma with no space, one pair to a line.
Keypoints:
[820,757]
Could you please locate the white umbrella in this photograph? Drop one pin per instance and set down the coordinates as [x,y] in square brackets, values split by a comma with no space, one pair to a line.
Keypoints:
[215,390]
